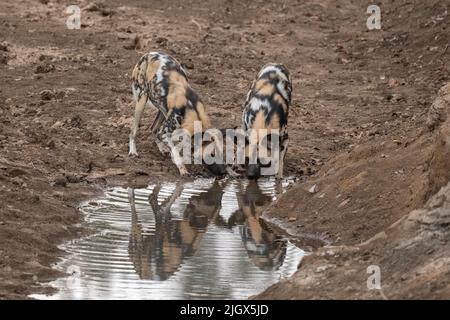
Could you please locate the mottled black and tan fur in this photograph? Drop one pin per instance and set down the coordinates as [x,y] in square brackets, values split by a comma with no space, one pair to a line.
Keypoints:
[267,107]
[161,82]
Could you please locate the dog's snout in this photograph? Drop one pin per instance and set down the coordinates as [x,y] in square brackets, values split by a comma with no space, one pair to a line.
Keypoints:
[253,171]
[217,169]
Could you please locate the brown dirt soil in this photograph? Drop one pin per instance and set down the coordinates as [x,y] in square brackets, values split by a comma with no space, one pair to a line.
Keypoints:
[410,247]
[358,126]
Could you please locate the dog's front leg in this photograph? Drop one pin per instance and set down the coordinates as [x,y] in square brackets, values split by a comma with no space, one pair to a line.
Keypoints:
[163,148]
[166,138]
[140,105]
[284,146]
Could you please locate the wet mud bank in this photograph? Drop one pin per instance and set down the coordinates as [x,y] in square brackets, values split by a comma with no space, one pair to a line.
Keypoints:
[408,241]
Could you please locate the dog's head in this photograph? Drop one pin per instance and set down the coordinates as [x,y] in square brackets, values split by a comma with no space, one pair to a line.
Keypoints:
[217,169]
[265,117]
[211,151]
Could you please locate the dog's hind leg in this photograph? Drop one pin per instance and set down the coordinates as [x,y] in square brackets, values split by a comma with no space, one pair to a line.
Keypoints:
[140,105]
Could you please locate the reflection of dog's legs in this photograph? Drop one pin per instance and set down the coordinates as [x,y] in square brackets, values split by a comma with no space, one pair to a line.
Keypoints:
[284,146]
[134,217]
[140,105]
[240,195]
[175,195]
[153,199]
[278,187]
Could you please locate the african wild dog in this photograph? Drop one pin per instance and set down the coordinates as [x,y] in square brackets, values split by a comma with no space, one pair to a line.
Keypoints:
[160,81]
[266,108]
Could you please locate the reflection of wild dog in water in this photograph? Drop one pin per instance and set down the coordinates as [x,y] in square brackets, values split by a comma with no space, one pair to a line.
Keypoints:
[267,107]
[158,255]
[264,247]
[160,81]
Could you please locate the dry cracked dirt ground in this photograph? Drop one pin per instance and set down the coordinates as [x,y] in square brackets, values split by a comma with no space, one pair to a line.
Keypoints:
[363,127]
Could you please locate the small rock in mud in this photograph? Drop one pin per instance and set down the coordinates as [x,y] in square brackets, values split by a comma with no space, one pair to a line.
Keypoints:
[161,41]
[188,64]
[16,172]
[322,268]
[344,203]
[48,95]
[50,144]
[134,43]
[17,181]
[313,189]
[58,124]
[75,121]
[45,68]
[60,182]
[100,8]
[202,80]
[72,178]
[4,58]
[35,198]
[123,36]
[4,47]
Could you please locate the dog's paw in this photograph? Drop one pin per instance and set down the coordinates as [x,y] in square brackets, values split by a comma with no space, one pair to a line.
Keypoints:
[133,154]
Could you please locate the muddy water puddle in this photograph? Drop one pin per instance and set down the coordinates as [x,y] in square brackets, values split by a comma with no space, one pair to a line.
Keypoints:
[192,240]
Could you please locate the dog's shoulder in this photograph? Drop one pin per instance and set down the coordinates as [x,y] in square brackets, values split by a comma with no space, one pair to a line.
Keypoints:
[268,100]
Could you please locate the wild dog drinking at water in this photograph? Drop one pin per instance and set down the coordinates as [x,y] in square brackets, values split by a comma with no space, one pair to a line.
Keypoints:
[265,116]
[161,82]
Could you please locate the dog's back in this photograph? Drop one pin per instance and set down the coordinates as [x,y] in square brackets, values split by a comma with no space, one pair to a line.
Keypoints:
[267,104]
[161,79]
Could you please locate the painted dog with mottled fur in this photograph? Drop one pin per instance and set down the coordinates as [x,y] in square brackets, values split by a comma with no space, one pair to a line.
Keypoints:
[267,108]
[161,82]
